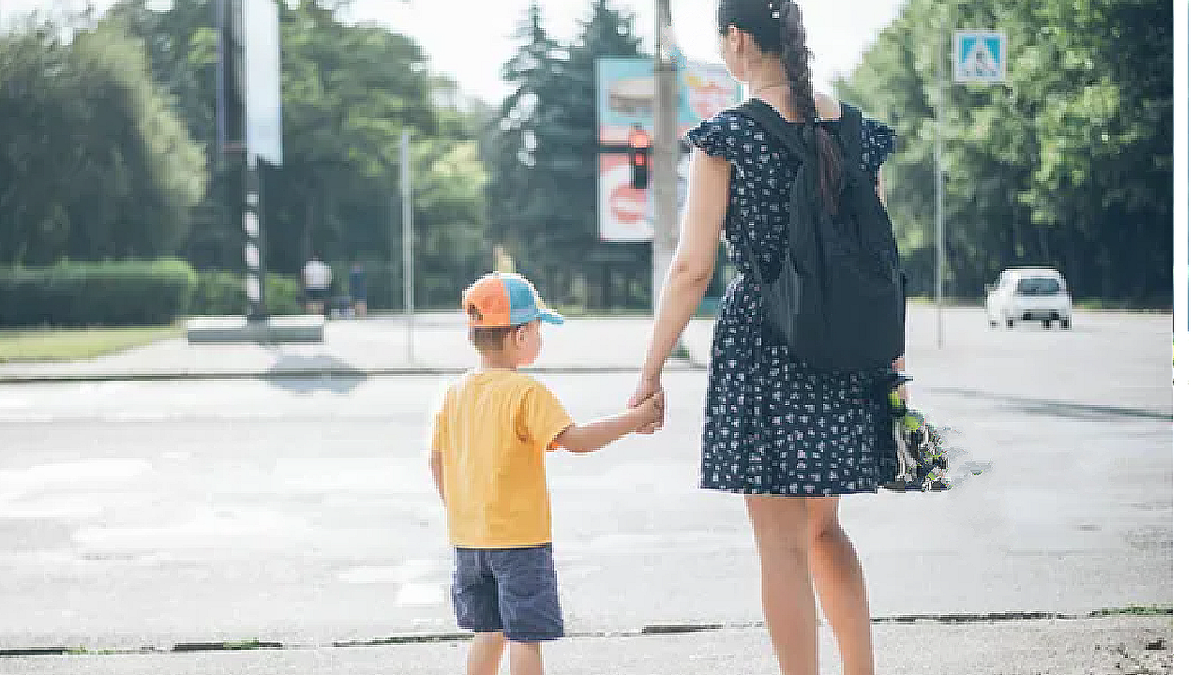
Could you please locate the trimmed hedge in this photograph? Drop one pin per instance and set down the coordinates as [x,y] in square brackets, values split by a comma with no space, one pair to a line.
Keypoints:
[224,293]
[96,294]
[129,294]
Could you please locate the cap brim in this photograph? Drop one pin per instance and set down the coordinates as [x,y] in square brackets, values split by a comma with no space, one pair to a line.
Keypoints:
[551,316]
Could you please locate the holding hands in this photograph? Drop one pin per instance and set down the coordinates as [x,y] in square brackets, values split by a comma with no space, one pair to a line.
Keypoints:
[650,399]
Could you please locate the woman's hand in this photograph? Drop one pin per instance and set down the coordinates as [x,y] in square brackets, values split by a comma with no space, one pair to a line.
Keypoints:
[649,387]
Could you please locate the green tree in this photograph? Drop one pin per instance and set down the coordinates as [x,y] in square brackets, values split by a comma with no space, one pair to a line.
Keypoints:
[94,162]
[542,154]
[1067,164]
[348,92]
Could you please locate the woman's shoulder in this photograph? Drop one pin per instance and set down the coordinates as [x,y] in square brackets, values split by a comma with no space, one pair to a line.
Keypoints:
[828,107]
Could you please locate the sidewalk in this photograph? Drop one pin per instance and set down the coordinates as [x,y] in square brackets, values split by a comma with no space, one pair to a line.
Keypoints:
[373,346]
[1022,647]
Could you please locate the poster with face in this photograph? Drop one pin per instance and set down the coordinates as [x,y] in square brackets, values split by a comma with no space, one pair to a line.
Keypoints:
[623,208]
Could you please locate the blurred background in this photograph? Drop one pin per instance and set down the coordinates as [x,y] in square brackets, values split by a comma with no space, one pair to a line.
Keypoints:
[122,163]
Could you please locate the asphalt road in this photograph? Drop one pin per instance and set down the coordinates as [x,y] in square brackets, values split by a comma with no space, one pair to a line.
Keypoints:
[138,514]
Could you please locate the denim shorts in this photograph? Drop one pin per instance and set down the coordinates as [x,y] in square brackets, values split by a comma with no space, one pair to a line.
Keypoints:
[509,590]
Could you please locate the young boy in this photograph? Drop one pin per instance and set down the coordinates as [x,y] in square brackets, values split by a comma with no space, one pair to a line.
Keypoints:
[489,442]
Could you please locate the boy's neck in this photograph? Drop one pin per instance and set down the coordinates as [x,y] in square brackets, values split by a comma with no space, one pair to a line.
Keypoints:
[497,361]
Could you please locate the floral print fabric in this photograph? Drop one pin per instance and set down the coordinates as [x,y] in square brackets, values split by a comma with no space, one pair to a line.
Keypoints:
[772,426]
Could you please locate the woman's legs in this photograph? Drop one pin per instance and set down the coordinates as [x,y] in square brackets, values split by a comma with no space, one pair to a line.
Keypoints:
[787,591]
[486,651]
[839,581]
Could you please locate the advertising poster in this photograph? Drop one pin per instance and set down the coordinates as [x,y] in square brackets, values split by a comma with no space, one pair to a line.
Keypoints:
[625,96]
[626,213]
[264,124]
[622,208]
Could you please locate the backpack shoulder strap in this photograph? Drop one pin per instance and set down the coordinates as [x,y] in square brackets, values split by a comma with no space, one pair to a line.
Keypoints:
[850,134]
[770,119]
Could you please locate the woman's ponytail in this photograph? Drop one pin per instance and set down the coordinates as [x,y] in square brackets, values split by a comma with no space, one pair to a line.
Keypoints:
[796,59]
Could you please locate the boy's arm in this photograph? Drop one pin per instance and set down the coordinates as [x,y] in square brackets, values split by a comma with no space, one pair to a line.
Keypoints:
[594,435]
[435,466]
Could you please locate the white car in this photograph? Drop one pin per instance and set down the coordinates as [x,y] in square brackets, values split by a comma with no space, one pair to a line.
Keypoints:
[1029,294]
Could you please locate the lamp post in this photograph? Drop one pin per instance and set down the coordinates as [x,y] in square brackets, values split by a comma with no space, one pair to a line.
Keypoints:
[666,149]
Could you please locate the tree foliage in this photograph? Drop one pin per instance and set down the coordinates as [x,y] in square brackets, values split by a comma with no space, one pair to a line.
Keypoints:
[542,153]
[1068,164]
[95,162]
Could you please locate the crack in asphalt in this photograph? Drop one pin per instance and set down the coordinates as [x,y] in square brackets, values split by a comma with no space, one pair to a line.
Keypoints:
[1051,407]
[647,630]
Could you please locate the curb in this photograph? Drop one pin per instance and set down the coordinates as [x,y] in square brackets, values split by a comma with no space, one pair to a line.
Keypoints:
[649,630]
[296,373]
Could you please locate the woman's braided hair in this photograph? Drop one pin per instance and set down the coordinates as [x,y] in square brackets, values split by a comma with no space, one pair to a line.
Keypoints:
[777,26]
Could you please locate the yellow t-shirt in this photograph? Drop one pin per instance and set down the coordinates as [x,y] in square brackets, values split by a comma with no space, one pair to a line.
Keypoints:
[493,430]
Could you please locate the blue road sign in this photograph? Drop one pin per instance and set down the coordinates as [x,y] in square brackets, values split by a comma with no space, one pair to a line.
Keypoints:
[980,57]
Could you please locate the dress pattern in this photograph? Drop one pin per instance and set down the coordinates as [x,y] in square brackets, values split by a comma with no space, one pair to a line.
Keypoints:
[771,425]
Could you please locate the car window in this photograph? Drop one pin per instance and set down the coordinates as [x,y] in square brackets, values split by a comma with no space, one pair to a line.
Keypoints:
[1038,286]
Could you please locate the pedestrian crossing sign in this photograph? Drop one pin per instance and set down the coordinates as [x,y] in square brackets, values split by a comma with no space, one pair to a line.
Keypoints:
[980,57]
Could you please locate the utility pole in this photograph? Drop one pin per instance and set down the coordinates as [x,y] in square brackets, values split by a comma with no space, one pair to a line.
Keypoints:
[406,193]
[664,179]
[943,91]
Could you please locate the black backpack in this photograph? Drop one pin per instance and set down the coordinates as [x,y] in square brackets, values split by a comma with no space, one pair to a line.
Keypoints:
[838,301]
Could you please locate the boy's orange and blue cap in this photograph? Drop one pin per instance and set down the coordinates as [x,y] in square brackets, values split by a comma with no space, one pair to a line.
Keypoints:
[505,299]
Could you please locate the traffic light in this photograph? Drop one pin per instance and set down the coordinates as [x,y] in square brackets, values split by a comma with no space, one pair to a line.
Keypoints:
[641,174]
[639,157]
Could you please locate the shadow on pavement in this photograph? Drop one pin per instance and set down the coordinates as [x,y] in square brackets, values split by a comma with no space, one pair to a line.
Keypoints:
[303,374]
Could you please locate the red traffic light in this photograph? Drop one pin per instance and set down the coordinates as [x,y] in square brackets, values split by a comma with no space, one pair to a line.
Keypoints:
[639,139]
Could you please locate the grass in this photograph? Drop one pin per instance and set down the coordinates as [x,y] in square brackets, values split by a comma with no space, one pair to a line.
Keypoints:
[68,344]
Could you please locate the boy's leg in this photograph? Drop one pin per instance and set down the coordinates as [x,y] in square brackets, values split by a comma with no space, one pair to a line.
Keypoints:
[477,608]
[525,658]
[529,607]
[486,651]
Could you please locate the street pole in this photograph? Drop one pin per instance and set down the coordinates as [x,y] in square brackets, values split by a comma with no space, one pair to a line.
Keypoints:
[252,225]
[406,190]
[943,90]
[664,179]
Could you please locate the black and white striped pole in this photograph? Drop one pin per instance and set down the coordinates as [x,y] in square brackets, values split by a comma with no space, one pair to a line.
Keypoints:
[250,224]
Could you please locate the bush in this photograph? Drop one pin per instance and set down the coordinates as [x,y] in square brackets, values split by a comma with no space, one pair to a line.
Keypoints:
[96,294]
[224,294]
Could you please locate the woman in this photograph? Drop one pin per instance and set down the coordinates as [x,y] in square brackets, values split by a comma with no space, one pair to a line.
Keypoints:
[790,439]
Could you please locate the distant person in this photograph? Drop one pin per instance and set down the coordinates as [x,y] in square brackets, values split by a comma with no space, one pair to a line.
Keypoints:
[490,436]
[358,289]
[791,439]
[318,278]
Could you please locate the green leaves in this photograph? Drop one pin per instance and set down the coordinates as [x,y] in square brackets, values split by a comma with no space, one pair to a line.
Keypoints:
[95,162]
[1068,164]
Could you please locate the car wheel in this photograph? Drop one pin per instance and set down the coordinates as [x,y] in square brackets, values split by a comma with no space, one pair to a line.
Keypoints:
[1008,323]
[1066,324]
[1046,324]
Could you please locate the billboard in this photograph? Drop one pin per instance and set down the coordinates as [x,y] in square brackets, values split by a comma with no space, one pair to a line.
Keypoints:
[625,212]
[260,31]
[622,208]
[625,96]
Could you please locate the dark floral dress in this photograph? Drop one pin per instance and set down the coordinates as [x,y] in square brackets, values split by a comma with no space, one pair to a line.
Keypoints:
[771,425]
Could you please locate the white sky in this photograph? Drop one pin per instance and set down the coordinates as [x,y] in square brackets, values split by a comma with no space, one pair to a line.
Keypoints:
[470,39]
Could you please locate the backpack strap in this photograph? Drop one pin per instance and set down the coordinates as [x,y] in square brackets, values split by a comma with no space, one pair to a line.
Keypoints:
[850,135]
[770,119]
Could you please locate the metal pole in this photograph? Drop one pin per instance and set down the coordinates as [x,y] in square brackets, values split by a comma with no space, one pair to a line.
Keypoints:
[406,188]
[396,293]
[666,151]
[943,90]
[252,224]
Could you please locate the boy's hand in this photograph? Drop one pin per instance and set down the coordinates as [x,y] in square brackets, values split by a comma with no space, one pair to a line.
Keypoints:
[649,412]
[647,389]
